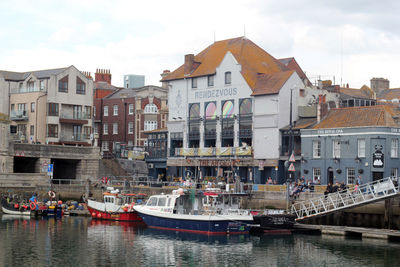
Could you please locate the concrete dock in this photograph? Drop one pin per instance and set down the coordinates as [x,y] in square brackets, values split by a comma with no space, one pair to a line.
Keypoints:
[357,232]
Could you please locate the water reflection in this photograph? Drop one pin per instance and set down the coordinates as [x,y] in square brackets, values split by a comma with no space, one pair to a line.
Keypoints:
[77,241]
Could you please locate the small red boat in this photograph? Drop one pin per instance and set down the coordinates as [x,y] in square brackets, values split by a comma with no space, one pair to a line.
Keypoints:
[116,206]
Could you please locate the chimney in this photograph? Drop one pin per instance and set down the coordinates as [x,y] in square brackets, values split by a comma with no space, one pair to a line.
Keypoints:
[165,73]
[102,75]
[189,64]
[87,74]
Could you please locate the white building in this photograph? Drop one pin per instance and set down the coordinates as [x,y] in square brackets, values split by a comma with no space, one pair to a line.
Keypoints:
[226,106]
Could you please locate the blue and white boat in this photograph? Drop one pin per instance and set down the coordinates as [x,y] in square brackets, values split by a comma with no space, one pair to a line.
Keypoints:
[210,212]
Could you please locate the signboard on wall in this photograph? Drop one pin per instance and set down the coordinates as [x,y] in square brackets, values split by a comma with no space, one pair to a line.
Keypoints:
[378,157]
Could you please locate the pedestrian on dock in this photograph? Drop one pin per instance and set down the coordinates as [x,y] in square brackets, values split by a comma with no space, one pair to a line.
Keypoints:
[328,189]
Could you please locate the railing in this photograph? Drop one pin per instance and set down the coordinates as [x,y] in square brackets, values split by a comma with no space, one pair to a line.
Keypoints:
[79,138]
[26,90]
[68,181]
[74,116]
[366,193]
[214,151]
[19,115]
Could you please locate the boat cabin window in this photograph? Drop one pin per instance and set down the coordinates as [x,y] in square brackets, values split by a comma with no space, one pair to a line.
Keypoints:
[162,201]
[169,202]
[152,201]
[109,199]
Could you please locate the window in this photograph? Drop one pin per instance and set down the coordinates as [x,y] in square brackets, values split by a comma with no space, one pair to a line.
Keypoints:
[80,86]
[94,111]
[316,174]
[86,132]
[52,130]
[104,146]
[115,113]
[393,172]
[130,143]
[351,175]
[210,80]
[53,109]
[32,130]
[194,82]
[316,149]
[105,128]
[115,128]
[12,106]
[130,127]
[105,111]
[32,106]
[228,77]
[395,148]
[150,109]
[145,143]
[31,86]
[162,201]
[130,109]
[63,85]
[95,129]
[336,149]
[361,148]
[150,125]
[41,84]
[22,106]
[88,112]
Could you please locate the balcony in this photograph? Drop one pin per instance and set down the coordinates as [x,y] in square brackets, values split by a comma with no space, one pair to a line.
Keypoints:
[214,151]
[210,134]
[74,118]
[227,134]
[74,138]
[23,90]
[194,135]
[19,115]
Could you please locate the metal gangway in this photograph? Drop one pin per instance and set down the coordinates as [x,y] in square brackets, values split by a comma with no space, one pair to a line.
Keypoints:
[364,194]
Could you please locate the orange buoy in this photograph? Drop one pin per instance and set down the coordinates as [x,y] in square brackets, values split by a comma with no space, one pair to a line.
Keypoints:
[32,205]
[94,214]
[99,215]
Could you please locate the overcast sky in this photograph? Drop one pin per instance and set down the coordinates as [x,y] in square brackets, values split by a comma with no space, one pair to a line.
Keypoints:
[351,40]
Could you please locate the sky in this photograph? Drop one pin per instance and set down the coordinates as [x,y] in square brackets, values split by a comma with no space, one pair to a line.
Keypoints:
[349,42]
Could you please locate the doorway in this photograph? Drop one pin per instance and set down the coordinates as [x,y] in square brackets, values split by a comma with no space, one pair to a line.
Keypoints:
[377,176]
[330,175]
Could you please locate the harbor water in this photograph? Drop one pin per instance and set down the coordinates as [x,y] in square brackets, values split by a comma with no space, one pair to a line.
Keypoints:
[79,241]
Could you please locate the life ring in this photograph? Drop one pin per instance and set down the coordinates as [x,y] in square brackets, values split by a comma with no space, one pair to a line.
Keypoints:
[52,194]
[32,205]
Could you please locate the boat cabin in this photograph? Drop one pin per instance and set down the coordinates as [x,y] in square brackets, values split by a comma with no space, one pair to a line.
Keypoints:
[194,203]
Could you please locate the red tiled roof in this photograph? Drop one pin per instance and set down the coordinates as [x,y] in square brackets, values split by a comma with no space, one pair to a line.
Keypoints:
[271,83]
[363,92]
[389,94]
[358,116]
[252,58]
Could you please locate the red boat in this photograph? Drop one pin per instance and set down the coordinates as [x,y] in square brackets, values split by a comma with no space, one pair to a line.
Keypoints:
[116,206]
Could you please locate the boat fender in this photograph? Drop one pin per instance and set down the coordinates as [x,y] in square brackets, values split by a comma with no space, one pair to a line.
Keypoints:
[52,194]
[99,215]
[94,214]
[16,206]
[32,205]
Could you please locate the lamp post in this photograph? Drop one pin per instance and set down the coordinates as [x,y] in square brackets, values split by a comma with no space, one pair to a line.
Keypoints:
[290,151]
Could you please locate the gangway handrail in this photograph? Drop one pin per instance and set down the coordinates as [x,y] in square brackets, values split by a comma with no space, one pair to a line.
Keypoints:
[365,193]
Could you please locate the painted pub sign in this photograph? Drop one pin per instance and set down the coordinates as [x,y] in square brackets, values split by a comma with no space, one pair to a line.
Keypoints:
[378,157]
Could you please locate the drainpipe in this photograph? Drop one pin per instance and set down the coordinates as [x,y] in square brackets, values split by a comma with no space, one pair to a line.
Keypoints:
[36,116]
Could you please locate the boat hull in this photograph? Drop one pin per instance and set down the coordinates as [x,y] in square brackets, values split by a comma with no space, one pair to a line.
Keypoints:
[114,216]
[209,227]
[15,212]
[271,222]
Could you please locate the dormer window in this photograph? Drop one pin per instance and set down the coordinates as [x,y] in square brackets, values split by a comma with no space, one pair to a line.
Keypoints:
[194,82]
[228,77]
